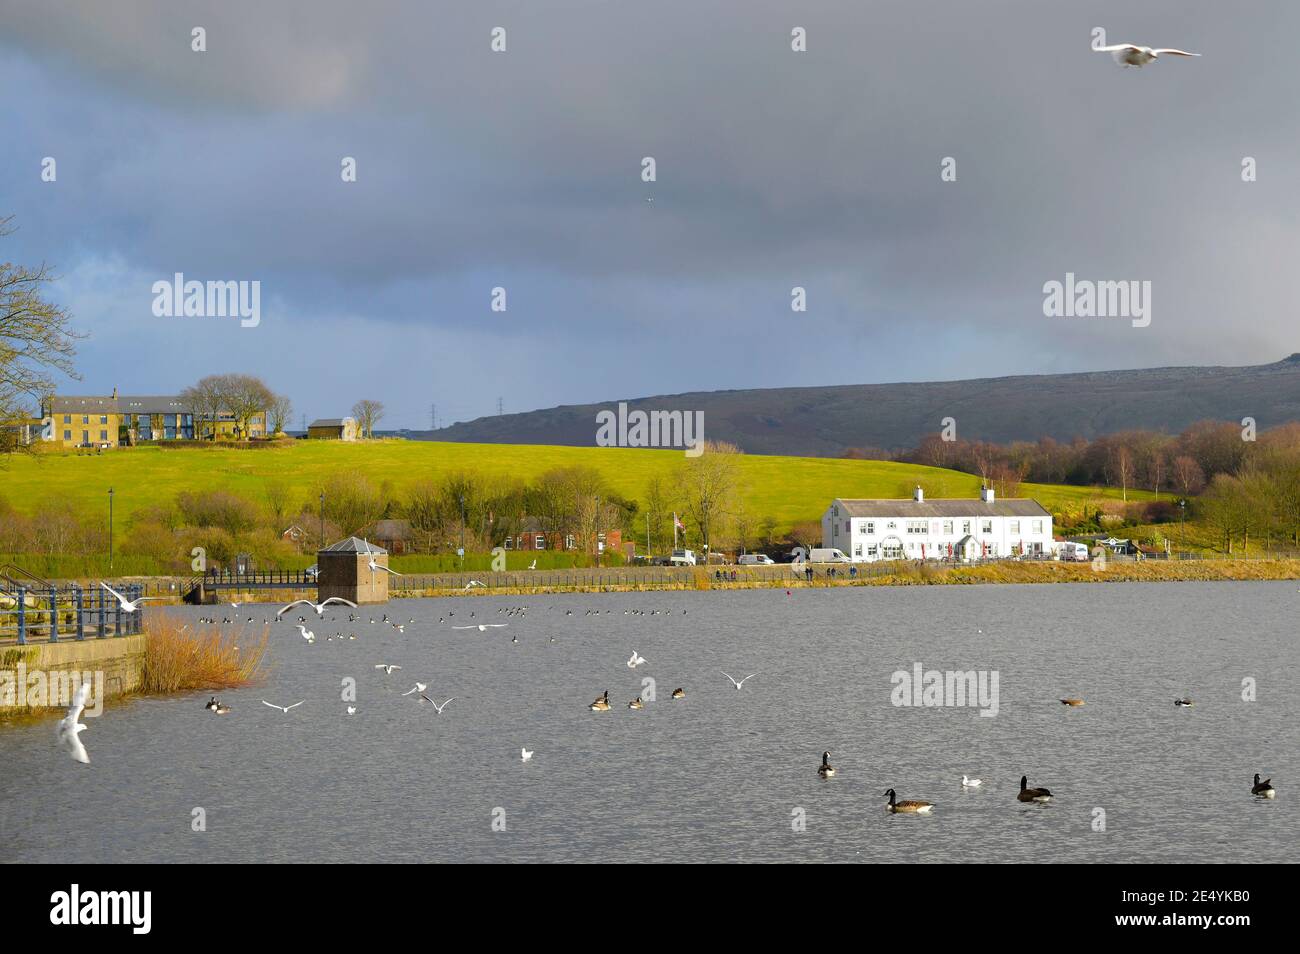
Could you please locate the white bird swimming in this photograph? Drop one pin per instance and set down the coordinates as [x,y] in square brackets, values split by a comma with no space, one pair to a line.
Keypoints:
[283,708]
[1130,54]
[352,710]
[318,607]
[483,627]
[418,687]
[971,782]
[307,634]
[128,606]
[437,708]
[634,660]
[742,682]
[525,755]
[235,605]
[69,730]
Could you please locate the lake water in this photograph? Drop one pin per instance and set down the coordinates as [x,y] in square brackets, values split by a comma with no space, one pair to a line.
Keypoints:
[720,775]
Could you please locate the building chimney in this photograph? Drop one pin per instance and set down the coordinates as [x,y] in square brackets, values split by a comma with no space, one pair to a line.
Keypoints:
[918,495]
[986,494]
[115,392]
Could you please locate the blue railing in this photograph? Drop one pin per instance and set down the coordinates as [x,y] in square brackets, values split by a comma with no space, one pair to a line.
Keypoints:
[84,611]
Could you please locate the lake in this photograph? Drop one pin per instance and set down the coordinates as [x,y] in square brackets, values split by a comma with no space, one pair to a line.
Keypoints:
[721,775]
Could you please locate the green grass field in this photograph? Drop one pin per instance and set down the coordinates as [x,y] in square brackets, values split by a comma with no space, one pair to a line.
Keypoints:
[789,489]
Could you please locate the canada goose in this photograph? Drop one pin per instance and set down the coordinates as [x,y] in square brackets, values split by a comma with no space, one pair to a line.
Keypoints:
[679,693]
[1263,789]
[1072,702]
[601,704]
[971,782]
[1183,703]
[826,770]
[212,703]
[1028,794]
[636,703]
[919,808]
[221,708]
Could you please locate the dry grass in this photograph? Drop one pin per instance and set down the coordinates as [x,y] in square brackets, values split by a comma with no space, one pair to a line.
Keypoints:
[179,657]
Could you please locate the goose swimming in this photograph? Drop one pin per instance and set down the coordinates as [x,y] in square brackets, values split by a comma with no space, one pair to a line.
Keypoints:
[601,704]
[826,770]
[1028,794]
[1263,789]
[919,808]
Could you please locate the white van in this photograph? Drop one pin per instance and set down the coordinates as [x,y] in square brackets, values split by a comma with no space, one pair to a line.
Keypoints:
[827,555]
[755,559]
[682,558]
[1072,552]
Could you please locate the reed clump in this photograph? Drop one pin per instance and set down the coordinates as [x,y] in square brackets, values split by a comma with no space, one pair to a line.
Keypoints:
[179,657]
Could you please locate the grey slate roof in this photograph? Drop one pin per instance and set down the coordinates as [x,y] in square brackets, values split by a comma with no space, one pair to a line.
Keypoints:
[329,422]
[353,545]
[1011,507]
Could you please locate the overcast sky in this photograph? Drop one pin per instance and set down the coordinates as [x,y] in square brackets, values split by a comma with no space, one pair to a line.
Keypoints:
[523,169]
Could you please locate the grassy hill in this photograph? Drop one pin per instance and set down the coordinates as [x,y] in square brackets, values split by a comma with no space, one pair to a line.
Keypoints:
[790,489]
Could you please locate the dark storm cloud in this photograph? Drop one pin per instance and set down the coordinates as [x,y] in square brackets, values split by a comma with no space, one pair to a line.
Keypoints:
[775,169]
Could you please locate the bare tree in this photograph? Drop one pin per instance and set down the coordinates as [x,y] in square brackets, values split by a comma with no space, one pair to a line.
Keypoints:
[280,411]
[1187,475]
[36,339]
[203,400]
[707,483]
[245,397]
[368,414]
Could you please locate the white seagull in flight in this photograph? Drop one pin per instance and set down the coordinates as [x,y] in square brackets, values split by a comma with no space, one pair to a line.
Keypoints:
[375,566]
[282,708]
[128,606]
[437,708]
[742,682]
[418,687]
[318,607]
[1129,54]
[634,660]
[69,729]
[388,670]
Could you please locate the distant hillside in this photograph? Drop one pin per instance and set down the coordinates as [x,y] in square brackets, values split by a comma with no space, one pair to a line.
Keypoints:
[825,421]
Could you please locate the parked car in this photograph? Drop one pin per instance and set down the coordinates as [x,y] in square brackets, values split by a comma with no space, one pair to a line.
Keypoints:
[755,559]
[827,555]
[682,558]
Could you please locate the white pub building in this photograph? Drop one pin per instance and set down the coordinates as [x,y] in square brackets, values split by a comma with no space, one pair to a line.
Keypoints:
[920,529]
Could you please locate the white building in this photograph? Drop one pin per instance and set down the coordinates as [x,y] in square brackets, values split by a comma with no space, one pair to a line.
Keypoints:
[920,529]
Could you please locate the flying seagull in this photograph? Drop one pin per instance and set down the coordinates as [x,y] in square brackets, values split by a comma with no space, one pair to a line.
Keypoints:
[69,729]
[307,634]
[437,708]
[375,566]
[483,627]
[282,708]
[418,687]
[128,606]
[473,583]
[388,670]
[318,607]
[634,660]
[742,682]
[525,754]
[1129,54]
[533,565]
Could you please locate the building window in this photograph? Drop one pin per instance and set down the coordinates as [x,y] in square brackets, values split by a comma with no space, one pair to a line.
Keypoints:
[947,527]
[965,526]
[569,542]
[67,435]
[85,419]
[103,435]
[103,418]
[67,419]
[857,549]
[987,527]
[870,527]
[539,542]
[835,511]
[1038,526]
[871,551]
[509,541]
[1015,526]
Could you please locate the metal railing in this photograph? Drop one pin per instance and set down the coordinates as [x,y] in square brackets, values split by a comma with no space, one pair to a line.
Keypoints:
[70,610]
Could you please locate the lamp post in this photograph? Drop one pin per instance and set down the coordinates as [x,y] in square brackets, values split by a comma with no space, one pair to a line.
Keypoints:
[110,530]
[1182,529]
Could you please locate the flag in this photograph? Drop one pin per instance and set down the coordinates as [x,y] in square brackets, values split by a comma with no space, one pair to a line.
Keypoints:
[677,524]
